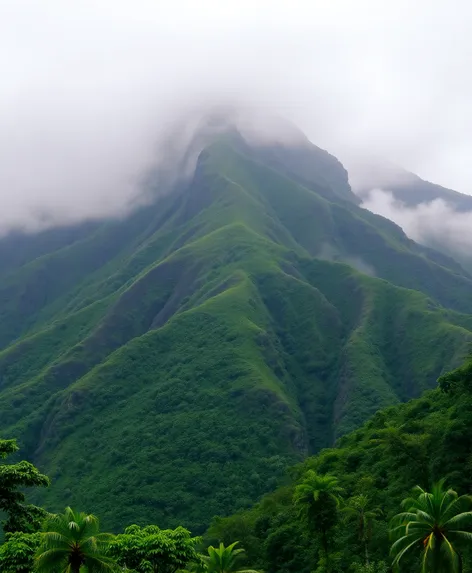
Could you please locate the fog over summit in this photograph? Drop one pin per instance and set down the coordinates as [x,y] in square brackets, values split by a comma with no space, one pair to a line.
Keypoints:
[92,90]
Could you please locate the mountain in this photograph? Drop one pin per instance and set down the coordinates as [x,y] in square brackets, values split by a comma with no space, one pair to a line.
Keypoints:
[411,190]
[433,215]
[169,366]
[418,443]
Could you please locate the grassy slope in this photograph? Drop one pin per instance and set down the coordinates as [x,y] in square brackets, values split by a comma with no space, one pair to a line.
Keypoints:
[170,366]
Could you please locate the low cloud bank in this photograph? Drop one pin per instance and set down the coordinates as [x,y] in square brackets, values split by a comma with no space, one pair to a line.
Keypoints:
[434,224]
[91,89]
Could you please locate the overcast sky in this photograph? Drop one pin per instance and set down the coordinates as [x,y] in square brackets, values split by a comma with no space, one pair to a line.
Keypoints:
[87,86]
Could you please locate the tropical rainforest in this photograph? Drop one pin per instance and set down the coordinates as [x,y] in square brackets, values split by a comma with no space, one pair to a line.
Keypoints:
[241,375]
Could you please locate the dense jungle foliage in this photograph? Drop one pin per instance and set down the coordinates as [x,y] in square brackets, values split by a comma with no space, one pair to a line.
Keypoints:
[395,492]
[367,475]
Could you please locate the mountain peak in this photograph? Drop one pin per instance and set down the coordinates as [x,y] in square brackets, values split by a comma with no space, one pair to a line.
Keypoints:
[262,136]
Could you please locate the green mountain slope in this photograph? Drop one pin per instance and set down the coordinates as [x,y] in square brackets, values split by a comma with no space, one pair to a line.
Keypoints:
[171,365]
[402,446]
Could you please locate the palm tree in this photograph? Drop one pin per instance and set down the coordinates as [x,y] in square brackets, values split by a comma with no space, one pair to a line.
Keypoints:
[433,523]
[70,541]
[358,509]
[318,498]
[224,559]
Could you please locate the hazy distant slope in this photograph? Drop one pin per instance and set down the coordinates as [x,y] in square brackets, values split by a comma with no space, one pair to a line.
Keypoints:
[438,217]
[169,366]
[368,174]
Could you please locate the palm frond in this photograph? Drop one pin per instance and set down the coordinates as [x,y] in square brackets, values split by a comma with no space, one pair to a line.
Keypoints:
[464,535]
[461,520]
[431,523]
[73,537]
[101,564]
[403,518]
[398,552]
[51,560]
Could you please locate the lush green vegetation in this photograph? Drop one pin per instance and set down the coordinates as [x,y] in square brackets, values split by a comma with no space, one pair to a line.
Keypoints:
[20,516]
[167,369]
[341,510]
[364,479]
[224,559]
[151,549]
[170,366]
[70,542]
[438,521]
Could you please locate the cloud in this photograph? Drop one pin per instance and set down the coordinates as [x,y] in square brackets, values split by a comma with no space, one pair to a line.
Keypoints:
[91,89]
[435,223]
[329,252]
[367,172]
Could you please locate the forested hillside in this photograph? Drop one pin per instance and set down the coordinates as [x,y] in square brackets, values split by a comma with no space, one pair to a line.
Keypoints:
[338,511]
[171,365]
[370,471]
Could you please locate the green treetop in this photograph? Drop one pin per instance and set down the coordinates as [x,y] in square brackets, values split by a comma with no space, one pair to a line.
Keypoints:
[18,551]
[151,549]
[224,559]
[13,479]
[434,525]
[73,540]
[318,498]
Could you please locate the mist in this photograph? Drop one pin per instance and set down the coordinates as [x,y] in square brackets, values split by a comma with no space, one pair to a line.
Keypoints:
[331,253]
[92,92]
[435,223]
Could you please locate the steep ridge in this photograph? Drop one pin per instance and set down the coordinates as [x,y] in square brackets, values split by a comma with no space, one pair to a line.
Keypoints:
[171,365]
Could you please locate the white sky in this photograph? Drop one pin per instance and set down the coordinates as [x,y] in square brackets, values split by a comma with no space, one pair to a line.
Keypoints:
[87,86]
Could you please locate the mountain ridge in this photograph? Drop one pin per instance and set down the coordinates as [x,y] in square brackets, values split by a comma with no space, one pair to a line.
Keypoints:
[405,186]
[202,344]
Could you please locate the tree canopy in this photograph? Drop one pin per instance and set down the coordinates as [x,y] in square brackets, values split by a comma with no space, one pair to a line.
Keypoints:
[146,549]
[18,552]
[21,516]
